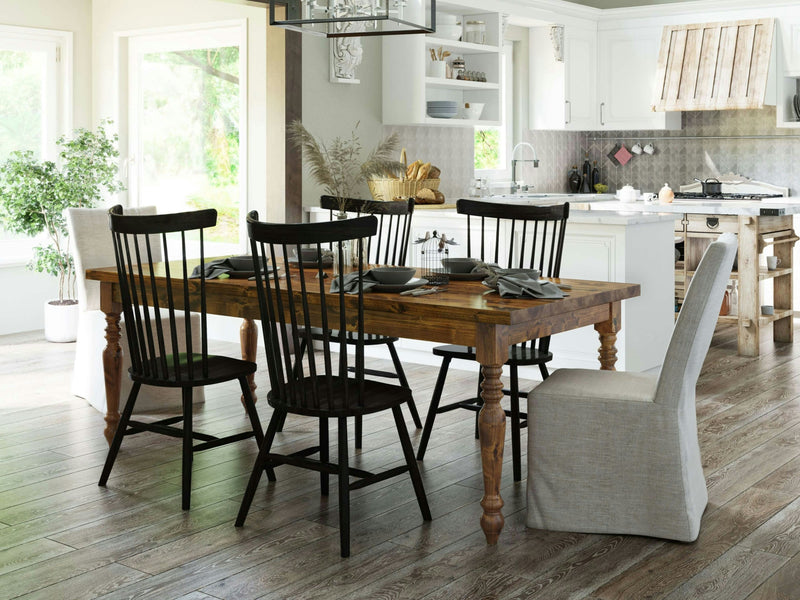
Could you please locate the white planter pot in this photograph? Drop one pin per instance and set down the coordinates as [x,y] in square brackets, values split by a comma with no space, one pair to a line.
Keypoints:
[60,321]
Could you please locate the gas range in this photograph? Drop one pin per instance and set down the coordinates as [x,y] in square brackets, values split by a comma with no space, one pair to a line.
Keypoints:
[722,196]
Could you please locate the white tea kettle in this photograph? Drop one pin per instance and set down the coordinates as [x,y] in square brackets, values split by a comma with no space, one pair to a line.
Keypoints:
[627,194]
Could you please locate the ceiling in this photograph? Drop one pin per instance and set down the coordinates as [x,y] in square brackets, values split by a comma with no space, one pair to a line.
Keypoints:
[622,3]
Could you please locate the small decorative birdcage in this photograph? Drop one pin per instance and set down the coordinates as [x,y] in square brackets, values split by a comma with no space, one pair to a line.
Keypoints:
[432,249]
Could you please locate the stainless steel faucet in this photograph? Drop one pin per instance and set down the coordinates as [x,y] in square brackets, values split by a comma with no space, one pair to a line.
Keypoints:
[514,162]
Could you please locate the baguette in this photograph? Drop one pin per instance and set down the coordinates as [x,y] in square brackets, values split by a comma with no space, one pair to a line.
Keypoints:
[423,171]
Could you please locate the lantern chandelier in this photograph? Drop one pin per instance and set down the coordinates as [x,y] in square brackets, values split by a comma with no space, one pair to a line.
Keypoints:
[349,18]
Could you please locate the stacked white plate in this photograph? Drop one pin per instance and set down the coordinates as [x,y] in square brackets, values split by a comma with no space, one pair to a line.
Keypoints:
[442,109]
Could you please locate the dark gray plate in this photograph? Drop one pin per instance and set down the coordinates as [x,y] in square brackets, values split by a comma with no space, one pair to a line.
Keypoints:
[467,276]
[388,287]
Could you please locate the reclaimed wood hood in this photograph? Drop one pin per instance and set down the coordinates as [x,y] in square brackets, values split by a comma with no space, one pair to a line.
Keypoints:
[714,66]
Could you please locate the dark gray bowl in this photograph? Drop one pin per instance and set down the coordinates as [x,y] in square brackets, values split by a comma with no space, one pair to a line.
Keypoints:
[241,263]
[459,265]
[392,275]
[309,254]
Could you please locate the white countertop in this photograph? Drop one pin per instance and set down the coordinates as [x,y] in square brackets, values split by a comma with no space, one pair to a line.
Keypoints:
[704,207]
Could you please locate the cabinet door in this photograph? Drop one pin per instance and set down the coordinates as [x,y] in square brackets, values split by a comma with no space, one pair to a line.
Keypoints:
[789,36]
[580,58]
[626,73]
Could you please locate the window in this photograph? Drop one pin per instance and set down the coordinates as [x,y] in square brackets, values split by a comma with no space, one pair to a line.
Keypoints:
[493,144]
[186,127]
[34,105]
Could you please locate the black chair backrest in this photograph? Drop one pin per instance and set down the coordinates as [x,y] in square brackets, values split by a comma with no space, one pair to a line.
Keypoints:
[535,234]
[290,306]
[390,245]
[158,354]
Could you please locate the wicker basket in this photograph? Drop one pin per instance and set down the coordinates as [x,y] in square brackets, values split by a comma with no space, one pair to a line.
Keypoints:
[394,189]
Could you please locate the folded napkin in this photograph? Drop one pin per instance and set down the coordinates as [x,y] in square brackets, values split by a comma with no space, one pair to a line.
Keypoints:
[350,282]
[213,269]
[522,283]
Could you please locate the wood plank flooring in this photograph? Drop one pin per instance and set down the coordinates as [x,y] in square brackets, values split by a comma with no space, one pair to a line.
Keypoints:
[63,537]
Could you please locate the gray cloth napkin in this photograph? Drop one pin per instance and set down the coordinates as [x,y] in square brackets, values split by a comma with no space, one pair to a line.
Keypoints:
[522,283]
[213,269]
[350,282]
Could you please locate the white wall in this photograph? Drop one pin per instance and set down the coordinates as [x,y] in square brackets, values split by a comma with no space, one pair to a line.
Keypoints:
[23,310]
[331,110]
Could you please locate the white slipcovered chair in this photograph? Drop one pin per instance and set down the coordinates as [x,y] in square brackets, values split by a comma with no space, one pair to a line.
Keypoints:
[616,452]
[93,248]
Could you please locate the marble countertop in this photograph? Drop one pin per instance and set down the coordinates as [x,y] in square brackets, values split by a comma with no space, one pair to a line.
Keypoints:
[704,207]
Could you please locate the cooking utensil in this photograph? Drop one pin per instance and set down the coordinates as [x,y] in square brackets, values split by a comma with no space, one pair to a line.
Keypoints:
[711,186]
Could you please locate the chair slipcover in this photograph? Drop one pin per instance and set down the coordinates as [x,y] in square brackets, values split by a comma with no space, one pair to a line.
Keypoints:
[93,248]
[615,452]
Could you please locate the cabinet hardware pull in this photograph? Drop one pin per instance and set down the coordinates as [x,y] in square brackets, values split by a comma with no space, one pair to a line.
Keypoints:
[602,122]
[569,112]
[712,222]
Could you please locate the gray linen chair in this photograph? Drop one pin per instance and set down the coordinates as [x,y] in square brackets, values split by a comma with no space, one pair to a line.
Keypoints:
[616,452]
[94,248]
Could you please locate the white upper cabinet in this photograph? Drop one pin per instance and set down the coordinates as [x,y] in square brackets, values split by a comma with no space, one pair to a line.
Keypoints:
[627,64]
[409,83]
[563,84]
[788,72]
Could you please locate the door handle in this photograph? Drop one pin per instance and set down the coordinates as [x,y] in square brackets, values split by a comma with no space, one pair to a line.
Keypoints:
[568,105]
[602,122]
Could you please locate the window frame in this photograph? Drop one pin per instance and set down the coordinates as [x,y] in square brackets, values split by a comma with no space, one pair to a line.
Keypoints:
[506,127]
[168,39]
[16,251]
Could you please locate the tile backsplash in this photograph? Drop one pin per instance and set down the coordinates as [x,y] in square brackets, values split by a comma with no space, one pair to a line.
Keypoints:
[678,159]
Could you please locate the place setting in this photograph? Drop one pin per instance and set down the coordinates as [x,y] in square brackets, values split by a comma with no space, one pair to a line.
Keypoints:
[387,279]
[310,257]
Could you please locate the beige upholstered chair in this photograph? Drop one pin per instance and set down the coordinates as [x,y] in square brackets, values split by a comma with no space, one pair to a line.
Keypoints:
[93,248]
[615,452]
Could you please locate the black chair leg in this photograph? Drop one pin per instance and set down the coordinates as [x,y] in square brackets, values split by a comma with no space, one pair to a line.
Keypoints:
[324,454]
[515,428]
[119,433]
[262,462]
[413,469]
[186,478]
[344,490]
[480,403]
[543,371]
[359,432]
[401,376]
[437,397]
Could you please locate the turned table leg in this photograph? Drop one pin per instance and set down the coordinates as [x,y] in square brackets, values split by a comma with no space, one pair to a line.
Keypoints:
[608,338]
[248,336]
[492,354]
[112,370]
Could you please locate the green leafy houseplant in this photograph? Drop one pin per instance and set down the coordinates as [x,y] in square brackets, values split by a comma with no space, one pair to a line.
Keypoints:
[34,194]
[337,165]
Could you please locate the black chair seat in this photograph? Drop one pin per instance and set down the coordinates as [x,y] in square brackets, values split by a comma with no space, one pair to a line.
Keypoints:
[220,369]
[370,339]
[377,397]
[518,355]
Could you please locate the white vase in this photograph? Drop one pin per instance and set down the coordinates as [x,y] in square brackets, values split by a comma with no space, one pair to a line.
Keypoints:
[61,321]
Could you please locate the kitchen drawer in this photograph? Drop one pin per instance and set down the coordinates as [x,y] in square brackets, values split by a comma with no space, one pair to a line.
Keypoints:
[773,224]
[712,223]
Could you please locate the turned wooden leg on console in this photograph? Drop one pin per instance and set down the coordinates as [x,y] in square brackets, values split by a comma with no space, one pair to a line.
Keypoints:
[112,370]
[248,336]
[492,352]
[608,338]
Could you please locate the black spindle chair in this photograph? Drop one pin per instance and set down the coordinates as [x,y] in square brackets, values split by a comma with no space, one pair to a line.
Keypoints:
[388,247]
[159,356]
[535,237]
[290,307]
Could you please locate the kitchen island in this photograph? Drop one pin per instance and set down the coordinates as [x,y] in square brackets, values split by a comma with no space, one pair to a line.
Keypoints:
[599,246]
[759,225]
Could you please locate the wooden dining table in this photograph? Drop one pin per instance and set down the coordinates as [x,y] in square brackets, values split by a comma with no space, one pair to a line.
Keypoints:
[465,312]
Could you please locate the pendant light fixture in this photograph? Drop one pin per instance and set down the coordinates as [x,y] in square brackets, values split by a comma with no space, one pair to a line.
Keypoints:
[351,18]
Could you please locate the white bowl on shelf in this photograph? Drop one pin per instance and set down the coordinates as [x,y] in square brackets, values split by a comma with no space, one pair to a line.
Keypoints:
[473,113]
[448,32]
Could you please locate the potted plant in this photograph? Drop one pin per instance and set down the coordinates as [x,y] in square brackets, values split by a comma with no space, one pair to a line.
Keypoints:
[337,166]
[33,196]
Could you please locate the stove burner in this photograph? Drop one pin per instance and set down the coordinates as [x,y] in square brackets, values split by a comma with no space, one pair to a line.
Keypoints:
[722,196]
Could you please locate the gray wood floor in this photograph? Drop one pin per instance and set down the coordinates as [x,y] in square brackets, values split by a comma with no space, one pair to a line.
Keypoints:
[63,537]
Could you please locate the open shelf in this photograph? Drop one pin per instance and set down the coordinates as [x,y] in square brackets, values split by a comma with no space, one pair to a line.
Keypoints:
[762,273]
[458,84]
[460,47]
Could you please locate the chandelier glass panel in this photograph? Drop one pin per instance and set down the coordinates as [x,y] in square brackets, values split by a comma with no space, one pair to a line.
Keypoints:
[348,18]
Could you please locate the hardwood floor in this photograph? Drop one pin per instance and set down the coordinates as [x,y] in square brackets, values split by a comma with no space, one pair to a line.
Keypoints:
[63,537]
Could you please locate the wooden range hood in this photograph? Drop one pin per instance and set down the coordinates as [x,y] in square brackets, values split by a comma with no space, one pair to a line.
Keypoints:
[714,66]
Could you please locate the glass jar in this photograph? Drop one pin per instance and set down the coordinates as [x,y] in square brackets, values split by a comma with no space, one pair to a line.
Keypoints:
[475,32]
